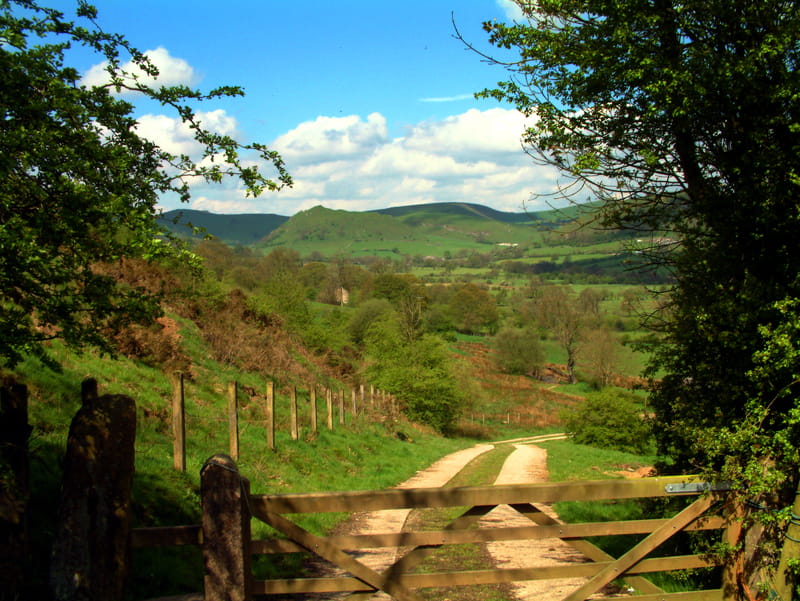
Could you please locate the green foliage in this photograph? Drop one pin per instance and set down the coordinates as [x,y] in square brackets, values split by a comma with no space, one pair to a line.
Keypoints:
[419,372]
[365,315]
[682,117]
[760,451]
[397,287]
[518,351]
[608,419]
[473,309]
[79,187]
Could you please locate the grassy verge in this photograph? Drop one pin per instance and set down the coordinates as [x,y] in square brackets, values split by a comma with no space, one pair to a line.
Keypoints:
[569,461]
[369,452]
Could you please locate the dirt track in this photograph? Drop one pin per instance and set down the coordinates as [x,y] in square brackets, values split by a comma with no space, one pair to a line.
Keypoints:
[527,463]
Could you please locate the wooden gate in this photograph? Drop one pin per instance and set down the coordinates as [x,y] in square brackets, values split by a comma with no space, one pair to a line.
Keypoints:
[228,506]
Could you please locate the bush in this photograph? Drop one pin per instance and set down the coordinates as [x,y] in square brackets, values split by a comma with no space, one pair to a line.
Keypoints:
[608,419]
[421,373]
[518,352]
[365,315]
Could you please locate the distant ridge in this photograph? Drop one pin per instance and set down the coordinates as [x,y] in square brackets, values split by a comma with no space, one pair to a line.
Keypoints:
[236,229]
[466,209]
[463,224]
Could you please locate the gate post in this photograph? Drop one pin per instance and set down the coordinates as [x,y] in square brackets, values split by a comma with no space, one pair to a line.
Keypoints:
[226,531]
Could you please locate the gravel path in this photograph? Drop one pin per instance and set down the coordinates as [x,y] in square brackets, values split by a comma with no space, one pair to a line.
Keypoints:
[528,464]
[393,520]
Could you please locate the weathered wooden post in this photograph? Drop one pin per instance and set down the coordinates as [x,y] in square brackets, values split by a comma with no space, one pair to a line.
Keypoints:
[785,580]
[178,423]
[233,419]
[733,570]
[312,395]
[353,402]
[341,407]
[226,531]
[293,412]
[270,415]
[371,395]
[329,403]
[14,493]
[88,390]
[91,548]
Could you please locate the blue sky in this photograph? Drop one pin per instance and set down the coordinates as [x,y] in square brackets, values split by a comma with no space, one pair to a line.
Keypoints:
[369,102]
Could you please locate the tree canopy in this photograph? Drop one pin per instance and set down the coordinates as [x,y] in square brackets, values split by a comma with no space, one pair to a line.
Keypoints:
[683,118]
[79,187]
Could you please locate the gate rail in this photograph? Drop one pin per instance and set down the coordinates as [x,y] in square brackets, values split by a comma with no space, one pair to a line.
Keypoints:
[228,507]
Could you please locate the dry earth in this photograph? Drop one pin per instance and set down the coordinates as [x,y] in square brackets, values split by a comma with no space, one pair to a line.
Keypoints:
[526,464]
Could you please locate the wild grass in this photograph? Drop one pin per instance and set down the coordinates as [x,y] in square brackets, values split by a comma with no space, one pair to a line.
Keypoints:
[368,452]
[570,461]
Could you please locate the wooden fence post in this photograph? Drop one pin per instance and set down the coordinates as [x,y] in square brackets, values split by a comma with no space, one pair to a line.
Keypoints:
[233,419]
[293,412]
[353,401]
[178,423]
[341,407]
[90,554]
[270,411]
[88,390]
[14,453]
[313,398]
[785,581]
[226,531]
[329,403]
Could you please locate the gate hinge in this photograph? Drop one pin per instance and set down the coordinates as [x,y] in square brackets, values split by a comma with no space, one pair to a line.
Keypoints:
[695,487]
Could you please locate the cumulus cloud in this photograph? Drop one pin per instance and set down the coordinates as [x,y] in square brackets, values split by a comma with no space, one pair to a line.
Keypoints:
[171,71]
[474,133]
[511,9]
[331,137]
[353,163]
[176,137]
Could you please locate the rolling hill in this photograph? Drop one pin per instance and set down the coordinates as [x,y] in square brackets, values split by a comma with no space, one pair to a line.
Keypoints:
[242,229]
[436,229]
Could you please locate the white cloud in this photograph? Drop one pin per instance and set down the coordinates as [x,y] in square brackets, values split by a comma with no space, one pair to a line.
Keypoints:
[402,159]
[171,71]
[176,137]
[332,137]
[474,133]
[448,98]
[352,163]
[511,9]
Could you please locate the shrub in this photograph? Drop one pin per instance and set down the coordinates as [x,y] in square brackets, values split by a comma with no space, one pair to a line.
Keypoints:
[421,373]
[608,419]
[518,352]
